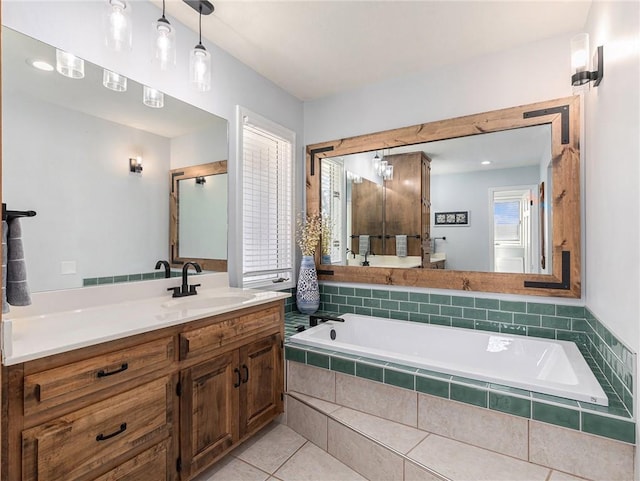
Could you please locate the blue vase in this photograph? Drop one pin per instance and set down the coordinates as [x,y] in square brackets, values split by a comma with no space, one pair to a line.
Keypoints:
[307,292]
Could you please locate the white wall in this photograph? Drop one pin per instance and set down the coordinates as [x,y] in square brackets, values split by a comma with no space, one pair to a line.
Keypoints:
[613,174]
[74,174]
[207,145]
[77,27]
[469,247]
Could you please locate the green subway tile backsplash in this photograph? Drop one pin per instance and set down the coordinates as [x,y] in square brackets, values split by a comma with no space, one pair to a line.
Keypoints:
[548,413]
[510,404]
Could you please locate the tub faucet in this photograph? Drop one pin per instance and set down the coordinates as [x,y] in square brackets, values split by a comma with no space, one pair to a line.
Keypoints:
[167,268]
[314,320]
[349,251]
[366,262]
[185,289]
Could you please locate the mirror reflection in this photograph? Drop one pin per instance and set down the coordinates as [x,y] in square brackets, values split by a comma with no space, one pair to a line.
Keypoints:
[471,203]
[66,149]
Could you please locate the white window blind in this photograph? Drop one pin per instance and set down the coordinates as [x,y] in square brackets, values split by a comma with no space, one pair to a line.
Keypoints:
[507,221]
[267,206]
[332,189]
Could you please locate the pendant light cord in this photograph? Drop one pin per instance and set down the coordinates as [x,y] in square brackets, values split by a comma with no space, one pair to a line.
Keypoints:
[199,26]
[163,9]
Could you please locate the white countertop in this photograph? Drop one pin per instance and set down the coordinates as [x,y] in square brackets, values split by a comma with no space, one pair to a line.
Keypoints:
[25,338]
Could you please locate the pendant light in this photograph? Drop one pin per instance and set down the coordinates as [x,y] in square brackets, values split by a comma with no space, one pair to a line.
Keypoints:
[114,81]
[118,36]
[152,97]
[69,65]
[165,44]
[200,61]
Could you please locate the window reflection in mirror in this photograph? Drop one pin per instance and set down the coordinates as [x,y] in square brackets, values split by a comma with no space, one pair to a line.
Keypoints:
[66,148]
[480,176]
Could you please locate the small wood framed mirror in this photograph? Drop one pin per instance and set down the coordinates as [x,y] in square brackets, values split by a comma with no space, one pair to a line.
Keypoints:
[198,221]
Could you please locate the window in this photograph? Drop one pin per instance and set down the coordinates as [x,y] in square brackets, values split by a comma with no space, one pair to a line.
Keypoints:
[507,223]
[266,150]
[332,192]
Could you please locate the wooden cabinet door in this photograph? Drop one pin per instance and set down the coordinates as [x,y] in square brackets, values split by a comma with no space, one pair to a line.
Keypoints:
[208,411]
[262,383]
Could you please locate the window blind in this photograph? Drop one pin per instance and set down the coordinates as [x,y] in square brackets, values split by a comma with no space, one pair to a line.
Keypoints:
[507,221]
[267,209]
[332,189]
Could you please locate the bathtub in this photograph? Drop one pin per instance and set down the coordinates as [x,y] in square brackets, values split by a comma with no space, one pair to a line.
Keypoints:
[540,365]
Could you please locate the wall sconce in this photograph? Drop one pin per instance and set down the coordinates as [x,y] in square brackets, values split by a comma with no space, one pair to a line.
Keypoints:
[152,97]
[580,62]
[118,35]
[69,65]
[135,165]
[114,81]
[201,180]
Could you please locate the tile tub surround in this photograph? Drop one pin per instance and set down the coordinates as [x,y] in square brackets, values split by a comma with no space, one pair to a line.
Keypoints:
[612,361]
[516,446]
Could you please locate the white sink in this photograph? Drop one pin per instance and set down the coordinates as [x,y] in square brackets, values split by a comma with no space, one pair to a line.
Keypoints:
[209,302]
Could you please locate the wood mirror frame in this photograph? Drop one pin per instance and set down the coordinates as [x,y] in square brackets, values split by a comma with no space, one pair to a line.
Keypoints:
[564,117]
[203,170]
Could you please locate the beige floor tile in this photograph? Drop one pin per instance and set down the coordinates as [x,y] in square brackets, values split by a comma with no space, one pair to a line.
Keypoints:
[481,427]
[559,476]
[312,381]
[579,453]
[230,468]
[374,462]
[413,472]
[463,462]
[311,463]
[382,400]
[307,422]
[397,436]
[270,448]
[324,406]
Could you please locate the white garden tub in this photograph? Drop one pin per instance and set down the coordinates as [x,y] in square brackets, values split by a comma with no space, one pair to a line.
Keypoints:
[544,366]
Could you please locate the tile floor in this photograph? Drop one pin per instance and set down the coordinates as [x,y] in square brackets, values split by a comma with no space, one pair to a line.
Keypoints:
[278,453]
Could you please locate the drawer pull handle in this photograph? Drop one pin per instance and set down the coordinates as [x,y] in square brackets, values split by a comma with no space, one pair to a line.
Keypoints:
[237,372]
[246,373]
[104,437]
[103,373]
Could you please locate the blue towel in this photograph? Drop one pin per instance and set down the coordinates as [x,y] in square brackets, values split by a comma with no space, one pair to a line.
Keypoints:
[18,293]
[363,244]
[5,305]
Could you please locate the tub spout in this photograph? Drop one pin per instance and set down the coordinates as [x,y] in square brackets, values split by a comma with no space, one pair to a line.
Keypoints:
[314,320]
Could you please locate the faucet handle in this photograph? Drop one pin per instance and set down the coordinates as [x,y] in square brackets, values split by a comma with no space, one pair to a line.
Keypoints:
[176,291]
[192,288]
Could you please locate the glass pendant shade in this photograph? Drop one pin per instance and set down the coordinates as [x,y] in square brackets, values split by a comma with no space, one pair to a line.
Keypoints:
[200,68]
[69,65]
[152,97]
[165,44]
[114,81]
[580,57]
[118,34]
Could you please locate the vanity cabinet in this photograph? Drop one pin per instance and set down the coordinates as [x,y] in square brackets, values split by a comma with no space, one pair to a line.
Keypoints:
[162,405]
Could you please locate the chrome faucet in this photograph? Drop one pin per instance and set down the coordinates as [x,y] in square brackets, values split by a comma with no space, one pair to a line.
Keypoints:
[366,262]
[185,289]
[167,268]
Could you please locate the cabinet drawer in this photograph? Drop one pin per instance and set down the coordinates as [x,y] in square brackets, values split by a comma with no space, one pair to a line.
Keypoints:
[55,386]
[72,446]
[151,465]
[208,338]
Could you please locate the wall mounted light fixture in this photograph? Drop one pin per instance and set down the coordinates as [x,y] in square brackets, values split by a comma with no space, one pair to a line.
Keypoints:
[135,165]
[580,62]
[165,45]
[69,65]
[201,180]
[199,58]
[152,97]
[114,81]
[118,31]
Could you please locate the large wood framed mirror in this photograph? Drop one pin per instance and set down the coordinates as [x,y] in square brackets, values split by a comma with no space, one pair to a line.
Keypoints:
[487,202]
[198,215]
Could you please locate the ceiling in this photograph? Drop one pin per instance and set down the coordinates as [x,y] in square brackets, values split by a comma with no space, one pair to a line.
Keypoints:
[313,49]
